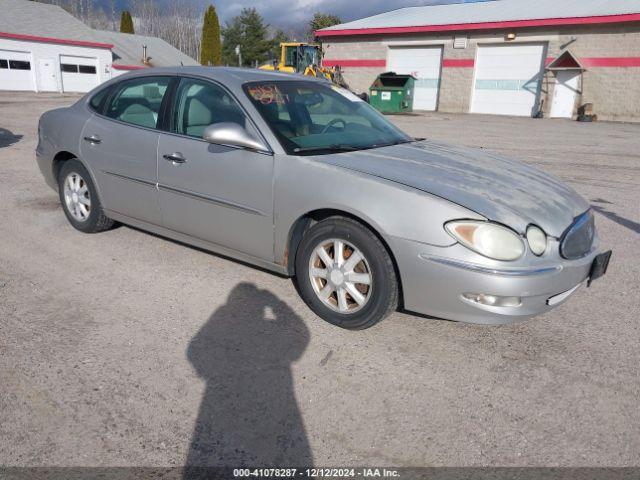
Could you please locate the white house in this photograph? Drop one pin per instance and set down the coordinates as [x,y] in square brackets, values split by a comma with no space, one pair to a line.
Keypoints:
[45,49]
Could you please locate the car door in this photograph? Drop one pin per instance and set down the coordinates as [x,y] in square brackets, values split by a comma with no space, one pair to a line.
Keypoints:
[120,143]
[217,193]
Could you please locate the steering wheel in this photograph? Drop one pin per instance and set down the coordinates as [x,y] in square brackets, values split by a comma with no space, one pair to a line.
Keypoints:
[332,123]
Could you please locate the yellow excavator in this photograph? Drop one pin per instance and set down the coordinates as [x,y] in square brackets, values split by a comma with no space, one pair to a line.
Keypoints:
[304,58]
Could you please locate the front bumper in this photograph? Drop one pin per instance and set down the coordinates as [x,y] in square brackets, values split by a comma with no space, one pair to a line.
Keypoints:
[435,279]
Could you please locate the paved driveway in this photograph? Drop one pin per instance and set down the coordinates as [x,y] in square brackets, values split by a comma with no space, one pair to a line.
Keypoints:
[124,348]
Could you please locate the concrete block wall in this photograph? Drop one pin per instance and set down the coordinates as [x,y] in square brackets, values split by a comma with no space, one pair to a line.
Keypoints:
[358,78]
[614,91]
[456,83]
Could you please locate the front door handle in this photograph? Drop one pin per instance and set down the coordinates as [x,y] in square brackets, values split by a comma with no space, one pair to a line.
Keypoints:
[93,139]
[175,157]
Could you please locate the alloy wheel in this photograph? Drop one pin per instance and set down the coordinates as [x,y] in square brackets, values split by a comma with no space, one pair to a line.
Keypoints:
[340,275]
[77,197]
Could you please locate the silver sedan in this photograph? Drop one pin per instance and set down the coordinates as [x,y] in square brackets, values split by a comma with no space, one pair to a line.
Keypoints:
[305,179]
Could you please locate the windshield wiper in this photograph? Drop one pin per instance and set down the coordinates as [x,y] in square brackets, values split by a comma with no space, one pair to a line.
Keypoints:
[390,144]
[348,148]
[328,148]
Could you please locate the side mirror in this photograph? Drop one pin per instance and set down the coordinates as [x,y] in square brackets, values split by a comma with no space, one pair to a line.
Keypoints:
[229,133]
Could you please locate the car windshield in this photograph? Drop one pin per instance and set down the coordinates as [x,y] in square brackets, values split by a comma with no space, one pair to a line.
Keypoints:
[313,118]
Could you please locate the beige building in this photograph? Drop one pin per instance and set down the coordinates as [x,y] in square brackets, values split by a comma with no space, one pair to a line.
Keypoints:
[509,57]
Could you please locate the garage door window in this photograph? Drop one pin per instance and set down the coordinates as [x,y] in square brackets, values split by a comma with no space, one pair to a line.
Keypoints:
[138,101]
[87,69]
[19,65]
[4,64]
[70,68]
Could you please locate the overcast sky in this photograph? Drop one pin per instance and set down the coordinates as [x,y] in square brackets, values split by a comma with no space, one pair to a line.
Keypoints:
[291,13]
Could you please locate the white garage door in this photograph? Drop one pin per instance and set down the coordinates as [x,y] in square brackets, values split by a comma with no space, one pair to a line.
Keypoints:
[508,79]
[15,70]
[424,63]
[79,74]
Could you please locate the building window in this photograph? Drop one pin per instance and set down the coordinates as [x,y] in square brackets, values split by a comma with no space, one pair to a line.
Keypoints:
[66,67]
[87,69]
[19,65]
[4,64]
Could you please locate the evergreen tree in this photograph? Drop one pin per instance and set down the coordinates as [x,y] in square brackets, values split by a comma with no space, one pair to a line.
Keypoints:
[321,20]
[250,32]
[211,48]
[126,22]
[278,37]
[231,36]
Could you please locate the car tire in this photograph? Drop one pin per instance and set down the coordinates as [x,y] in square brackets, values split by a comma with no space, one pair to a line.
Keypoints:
[330,284]
[79,199]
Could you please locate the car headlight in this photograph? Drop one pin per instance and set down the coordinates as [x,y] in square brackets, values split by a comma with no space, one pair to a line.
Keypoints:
[488,239]
[537,240]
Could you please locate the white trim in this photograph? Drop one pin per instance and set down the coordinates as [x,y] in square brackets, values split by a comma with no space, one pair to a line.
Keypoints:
[417,43]
[34,67]
[500,40]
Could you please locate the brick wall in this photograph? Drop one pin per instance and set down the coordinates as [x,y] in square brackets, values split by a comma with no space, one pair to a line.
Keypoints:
[614,91]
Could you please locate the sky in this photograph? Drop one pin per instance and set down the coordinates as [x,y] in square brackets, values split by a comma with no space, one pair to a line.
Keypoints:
[293,13]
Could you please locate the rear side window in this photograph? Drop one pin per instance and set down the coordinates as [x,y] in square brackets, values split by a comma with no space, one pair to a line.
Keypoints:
[138,101]
[4,64]
[97,100]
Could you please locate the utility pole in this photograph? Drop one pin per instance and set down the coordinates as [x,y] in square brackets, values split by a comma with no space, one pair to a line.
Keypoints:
[239,54]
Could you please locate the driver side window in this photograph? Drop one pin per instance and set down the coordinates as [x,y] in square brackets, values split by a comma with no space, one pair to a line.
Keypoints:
[200,104]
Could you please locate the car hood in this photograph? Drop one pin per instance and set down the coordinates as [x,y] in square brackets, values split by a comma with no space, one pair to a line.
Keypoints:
[499,189]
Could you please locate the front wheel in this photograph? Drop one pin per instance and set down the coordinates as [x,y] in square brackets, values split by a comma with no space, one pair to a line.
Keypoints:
[345,274]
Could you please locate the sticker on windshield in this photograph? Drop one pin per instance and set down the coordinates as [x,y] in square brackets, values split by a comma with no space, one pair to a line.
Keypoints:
[347,94]
[268,94]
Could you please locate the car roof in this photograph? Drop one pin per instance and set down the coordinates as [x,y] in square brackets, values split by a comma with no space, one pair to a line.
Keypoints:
[226,75]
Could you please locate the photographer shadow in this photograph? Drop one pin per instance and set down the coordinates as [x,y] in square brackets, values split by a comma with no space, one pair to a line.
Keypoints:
[248,415]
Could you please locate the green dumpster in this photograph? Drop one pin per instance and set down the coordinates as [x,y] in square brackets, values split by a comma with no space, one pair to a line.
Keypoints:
[392,93]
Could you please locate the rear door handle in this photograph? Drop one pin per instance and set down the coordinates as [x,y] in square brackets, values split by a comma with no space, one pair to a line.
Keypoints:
[93,139]
[175,158]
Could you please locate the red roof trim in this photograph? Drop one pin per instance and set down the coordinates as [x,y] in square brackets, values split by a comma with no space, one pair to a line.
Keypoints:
[543,22]
[458,63]
[128,67]
[354,63]
[63,41]
[620,62]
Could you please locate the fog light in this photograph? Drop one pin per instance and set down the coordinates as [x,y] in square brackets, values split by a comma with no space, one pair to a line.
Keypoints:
[492,300]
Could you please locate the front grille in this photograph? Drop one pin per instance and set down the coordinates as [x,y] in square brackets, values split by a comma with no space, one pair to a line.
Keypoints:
[578,239]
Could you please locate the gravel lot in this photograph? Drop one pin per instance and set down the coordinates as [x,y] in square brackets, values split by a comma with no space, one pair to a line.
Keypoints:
[124,348]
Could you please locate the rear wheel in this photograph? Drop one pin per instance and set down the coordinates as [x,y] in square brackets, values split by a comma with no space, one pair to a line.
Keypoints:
[345,274]
[79,199]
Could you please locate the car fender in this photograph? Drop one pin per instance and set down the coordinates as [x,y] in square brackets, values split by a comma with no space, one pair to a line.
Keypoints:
[304,184]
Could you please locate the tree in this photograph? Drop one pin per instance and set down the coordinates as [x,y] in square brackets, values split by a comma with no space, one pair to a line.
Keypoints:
[322,20]
[126,22]
[231,36]
[250,32]
[279,37]
[211,48]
